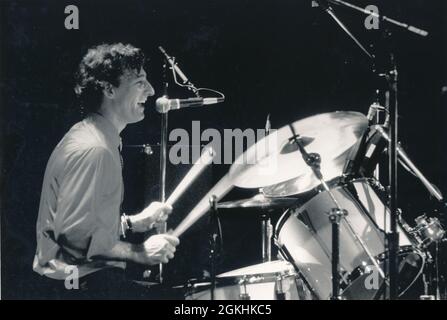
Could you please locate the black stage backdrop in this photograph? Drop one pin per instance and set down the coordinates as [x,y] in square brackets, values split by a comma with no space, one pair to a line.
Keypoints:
[279,57]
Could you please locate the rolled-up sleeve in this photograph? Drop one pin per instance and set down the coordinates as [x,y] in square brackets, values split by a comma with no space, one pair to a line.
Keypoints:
[88,213]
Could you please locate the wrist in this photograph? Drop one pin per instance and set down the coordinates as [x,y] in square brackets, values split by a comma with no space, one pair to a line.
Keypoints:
[136,253]
[140,255]
[126,225]
[140,225]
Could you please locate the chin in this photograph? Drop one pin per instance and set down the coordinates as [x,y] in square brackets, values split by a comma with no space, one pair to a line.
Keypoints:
[136,119]
[141,118]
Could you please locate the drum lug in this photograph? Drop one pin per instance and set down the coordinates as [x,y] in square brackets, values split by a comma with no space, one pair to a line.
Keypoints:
[244,296]
[280,295]
[376,184]
[243,289]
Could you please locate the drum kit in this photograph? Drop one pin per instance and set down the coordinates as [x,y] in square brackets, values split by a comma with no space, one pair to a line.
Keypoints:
[341,235]
[342,145]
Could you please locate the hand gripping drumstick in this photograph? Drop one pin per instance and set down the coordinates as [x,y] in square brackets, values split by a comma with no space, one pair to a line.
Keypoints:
[205,159]
[219,190]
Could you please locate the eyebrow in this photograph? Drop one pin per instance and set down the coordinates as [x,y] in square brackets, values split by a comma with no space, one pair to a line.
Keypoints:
[139,77]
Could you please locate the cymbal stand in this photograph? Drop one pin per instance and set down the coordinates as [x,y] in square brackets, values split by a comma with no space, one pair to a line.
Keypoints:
[374,118]
[267,228]
[430,277]
[267,232]
[313,160]
[214,234]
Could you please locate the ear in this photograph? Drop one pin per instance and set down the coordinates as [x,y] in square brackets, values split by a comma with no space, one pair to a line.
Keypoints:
[108,90]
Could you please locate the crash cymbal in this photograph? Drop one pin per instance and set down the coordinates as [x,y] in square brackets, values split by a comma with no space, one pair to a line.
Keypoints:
[258,201]
[275,159]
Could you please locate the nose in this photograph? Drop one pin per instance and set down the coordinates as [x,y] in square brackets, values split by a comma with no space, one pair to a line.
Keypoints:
[149,89]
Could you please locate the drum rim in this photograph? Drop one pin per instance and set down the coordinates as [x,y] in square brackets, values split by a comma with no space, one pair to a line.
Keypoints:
[312,190]
[190,288]
[342,181]
[286,269]
[407,249]
[281,221]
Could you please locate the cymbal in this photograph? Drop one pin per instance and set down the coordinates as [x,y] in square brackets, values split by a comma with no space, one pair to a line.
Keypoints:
[258,201]
[276,159]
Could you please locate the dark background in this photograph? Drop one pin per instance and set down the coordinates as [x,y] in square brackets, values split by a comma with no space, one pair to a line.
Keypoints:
[280,57]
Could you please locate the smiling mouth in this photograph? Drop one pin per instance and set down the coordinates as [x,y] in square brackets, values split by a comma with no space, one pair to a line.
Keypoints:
[141,103]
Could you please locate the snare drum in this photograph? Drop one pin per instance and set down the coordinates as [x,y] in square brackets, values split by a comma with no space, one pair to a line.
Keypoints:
[275,280]
[304,237]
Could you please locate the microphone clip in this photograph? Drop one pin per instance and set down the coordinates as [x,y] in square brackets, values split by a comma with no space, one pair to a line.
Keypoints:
[176,71]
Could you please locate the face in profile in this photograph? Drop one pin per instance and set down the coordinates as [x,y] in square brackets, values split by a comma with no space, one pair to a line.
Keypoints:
[131,95]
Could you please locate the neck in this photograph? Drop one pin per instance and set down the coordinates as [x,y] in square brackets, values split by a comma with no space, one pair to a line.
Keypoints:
[107,112]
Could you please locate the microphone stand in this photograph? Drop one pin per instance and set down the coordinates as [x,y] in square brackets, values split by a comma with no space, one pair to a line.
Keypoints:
[393,235]
[410,28]
[162,227]
[406,161]
[331,13]
[392,77]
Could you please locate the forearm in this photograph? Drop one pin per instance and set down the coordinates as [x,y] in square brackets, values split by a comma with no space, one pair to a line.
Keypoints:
[121,251]
[145,253]
[157,249]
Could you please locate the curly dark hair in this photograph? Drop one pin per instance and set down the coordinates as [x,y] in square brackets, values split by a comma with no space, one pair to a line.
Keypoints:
[103,64]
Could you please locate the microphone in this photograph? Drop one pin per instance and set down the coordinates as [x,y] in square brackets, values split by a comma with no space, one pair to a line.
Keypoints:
[174,65]
[163,104]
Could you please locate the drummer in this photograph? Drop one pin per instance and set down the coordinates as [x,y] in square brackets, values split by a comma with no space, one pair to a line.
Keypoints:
[80,228]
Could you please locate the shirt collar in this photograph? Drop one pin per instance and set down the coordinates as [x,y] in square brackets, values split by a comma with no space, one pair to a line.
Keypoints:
[107,127]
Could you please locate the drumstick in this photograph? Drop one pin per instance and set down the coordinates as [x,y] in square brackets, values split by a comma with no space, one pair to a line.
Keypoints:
[219,190]
[205,159]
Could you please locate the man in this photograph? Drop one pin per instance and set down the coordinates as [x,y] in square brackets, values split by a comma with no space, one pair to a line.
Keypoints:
[80,225]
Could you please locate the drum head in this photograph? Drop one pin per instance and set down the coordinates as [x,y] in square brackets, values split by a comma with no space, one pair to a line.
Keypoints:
[304,237]
[369,285]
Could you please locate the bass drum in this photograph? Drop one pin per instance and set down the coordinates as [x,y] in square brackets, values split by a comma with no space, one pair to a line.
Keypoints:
[304,237]
[274,280]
